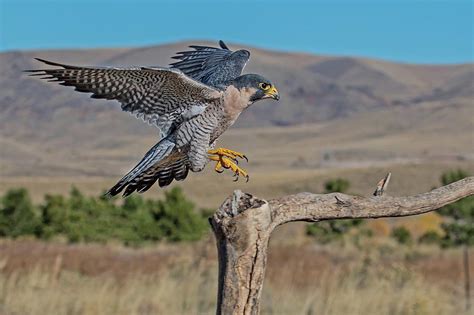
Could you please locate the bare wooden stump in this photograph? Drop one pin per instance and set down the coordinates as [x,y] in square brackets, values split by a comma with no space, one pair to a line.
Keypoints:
[243,225]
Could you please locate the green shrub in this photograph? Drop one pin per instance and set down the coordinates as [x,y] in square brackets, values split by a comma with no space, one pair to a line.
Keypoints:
[459,224]
[332,230]
[402,235]
[55,216]
[337,185]
[429,237]
[17,214]
[175,219]
[87,219]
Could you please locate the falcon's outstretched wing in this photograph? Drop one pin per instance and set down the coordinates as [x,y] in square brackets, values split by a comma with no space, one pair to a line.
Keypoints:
[210,65]
[160,96]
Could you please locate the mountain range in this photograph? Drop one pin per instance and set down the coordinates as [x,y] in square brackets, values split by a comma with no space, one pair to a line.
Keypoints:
[46,129]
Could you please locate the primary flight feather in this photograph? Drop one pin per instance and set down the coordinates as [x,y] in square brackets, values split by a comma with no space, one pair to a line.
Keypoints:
[192,104]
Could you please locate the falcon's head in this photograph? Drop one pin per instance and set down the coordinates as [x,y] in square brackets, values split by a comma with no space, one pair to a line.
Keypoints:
[256,87]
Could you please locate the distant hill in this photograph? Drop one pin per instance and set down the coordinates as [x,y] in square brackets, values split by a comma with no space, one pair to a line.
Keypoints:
[47,124]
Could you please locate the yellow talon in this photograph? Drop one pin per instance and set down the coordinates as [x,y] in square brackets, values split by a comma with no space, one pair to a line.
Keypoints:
[229,164]
[227,159]
[218,167]
[228,153]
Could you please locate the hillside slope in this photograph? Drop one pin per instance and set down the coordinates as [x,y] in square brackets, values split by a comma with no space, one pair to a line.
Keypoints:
[342,104]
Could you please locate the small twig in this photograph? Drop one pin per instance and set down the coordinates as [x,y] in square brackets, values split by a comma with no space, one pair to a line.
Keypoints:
[382,185]
[341,202]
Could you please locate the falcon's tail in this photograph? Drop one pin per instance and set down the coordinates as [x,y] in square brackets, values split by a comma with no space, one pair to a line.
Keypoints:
[146,172]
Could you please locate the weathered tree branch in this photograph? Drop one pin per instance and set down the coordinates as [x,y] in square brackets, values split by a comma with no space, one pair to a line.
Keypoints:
[243,225]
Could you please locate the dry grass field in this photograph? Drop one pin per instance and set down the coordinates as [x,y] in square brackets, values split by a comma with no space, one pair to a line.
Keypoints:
[377,277]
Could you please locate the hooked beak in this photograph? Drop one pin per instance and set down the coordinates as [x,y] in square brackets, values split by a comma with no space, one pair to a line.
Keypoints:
[272,93]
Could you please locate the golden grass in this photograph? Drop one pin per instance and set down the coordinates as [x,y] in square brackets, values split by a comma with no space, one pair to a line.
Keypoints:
[188,290]
[362,291]
[39,292]
[378,278]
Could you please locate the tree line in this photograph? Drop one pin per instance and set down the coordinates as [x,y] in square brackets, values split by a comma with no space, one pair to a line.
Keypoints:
[136,220]
[80,218]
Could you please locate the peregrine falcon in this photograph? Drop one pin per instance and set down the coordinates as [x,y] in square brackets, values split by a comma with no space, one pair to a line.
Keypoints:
[192,104]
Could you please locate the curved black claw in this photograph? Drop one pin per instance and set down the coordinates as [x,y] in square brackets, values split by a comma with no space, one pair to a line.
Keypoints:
[219,171]
[247,178]
[236,177]
[246,159]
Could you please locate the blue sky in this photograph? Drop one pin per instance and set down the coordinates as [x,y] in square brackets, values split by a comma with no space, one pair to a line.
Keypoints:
[405,30]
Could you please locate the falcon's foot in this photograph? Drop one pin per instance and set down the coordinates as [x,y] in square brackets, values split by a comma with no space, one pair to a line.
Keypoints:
[227,159]
[228,153]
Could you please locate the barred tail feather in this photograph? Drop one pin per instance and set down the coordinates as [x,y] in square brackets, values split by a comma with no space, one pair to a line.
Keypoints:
[156,154]
[165,175]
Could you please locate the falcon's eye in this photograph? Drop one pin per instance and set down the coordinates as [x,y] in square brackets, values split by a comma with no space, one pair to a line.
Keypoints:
[264,86]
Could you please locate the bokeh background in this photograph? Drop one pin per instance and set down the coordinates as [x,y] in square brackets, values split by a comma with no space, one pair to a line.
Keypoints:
[367,88]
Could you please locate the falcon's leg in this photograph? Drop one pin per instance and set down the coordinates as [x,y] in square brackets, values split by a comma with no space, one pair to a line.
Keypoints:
[228,159]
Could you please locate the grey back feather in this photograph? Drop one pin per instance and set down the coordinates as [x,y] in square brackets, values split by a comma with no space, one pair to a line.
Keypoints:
[212,66]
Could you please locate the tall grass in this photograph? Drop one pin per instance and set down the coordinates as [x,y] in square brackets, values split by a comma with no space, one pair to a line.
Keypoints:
[300,280]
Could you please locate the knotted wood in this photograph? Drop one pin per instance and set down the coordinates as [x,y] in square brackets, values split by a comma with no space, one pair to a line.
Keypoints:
[243,225]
